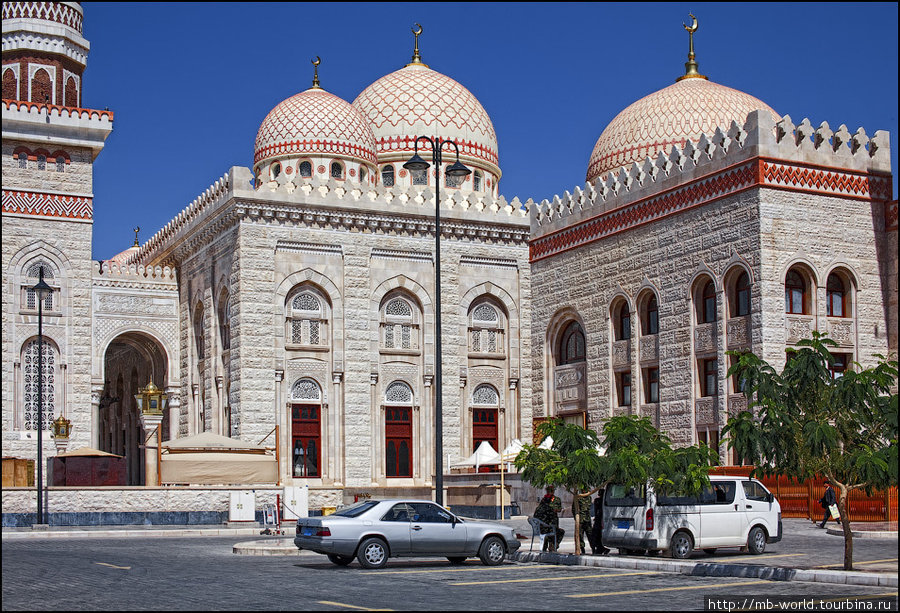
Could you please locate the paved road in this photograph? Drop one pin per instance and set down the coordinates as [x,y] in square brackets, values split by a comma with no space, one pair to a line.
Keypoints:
[203,574]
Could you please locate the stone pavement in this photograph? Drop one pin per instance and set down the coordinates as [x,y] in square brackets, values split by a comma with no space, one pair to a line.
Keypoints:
[799,557]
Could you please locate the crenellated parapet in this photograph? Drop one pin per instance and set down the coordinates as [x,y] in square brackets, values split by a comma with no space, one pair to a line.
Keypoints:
[113,274]
[759,153]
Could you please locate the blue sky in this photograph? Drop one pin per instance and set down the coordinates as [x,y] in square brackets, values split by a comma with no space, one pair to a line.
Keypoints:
[191,83]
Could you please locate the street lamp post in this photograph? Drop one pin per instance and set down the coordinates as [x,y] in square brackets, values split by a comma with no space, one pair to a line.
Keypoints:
[416,163]
[41,290]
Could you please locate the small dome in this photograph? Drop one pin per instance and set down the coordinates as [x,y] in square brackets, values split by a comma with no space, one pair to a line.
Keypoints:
[417,101]
[685,110]
[314,122]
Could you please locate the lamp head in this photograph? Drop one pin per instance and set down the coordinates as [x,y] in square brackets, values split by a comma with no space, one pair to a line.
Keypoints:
[416,163]
[458,169]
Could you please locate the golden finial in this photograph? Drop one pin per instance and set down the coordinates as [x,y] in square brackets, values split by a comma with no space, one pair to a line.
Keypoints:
[136,230]
[316,63]
[690,67]
[416,58]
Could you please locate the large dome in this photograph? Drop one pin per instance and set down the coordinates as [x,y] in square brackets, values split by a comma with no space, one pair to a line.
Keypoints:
[314,123]
[417,101]
[685,110]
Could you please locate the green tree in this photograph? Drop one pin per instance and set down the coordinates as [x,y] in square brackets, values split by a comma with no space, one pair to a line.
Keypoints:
[634,452]
[806,422]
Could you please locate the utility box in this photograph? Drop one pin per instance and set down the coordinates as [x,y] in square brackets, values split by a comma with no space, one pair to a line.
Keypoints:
[242,507]
[295,502]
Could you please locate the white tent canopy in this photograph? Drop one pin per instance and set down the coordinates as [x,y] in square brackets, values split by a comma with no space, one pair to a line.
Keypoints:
[547,443]
[484,455]
[212,459]
[512,450]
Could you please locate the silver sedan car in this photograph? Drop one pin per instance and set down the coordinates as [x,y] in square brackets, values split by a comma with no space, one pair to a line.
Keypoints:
[375,530]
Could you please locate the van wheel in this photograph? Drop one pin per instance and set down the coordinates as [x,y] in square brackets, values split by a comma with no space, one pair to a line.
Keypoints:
[709,551]
[682,545]
[756,542]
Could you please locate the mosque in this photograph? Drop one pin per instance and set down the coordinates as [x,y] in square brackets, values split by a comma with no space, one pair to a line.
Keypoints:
[293,304]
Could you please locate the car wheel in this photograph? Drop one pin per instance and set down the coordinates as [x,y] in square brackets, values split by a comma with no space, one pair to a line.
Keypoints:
[339,559]
[756,542]
[492,551]
[372,553]
[456,559]
[709,551]
[682,545]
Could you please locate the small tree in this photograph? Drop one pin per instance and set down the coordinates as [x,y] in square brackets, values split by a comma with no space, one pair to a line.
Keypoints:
[634,453]
[805,422]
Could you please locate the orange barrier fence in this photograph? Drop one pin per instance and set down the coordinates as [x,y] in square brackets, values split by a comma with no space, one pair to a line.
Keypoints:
[801,499]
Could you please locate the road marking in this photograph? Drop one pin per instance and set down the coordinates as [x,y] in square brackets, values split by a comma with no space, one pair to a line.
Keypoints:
[350,606]
[858,563]
[743,558]
[567,578]
[458,569]
[113,566]
[666,589]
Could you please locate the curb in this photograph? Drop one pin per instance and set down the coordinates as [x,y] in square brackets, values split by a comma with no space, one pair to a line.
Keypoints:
[174,532]
[706,569]
[858,534]
[282,546]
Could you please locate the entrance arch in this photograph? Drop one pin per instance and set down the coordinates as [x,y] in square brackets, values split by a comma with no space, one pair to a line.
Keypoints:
[130,362]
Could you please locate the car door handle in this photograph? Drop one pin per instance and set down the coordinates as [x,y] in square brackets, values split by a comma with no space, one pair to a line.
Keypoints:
[417,527]
[735,507]
[749,506]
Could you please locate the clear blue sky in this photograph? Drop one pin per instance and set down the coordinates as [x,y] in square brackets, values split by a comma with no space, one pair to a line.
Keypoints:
[191,83]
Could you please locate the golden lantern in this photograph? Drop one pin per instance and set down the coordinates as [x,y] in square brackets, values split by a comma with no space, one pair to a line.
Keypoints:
[62,428]
[151,400]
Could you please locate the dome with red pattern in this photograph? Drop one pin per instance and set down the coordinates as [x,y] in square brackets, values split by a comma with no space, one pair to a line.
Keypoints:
[684,110]
[315,123]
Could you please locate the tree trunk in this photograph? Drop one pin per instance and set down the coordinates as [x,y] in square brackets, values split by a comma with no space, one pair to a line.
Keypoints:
[845,524]
[576,511]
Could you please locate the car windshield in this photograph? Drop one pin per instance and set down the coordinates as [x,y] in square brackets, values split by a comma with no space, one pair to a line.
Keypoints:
[357,509]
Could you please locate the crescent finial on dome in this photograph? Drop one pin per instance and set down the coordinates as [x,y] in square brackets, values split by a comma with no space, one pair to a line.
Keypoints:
[316,63]
[690,67]
[416,58]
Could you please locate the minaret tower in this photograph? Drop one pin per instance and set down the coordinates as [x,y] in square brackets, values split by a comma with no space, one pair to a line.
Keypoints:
[49,146]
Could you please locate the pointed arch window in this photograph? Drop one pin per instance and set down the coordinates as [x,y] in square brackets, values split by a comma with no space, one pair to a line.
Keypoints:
[485,416]
[45,404]
[795,296]
[571,345]
[651,317]
[32,276]
[305,169]
[387,175]
[837,297]
[306,428]
[487,329]
[199,343]
[307,319]
[741,300]
[398,444]
[225,321]
[707,305]
[399,325]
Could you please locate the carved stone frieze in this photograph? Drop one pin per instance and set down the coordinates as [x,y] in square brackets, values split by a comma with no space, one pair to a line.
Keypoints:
[705,338]
[649,347]
[799,327]
[705,411]
[841,331]
[138,305]
[739,332]
[621,353]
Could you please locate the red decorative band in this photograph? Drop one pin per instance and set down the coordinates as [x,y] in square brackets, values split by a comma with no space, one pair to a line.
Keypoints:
[48,205]
[890,215]
[408,143]
[302,147]
[56,109]
[48,11]
[825,181]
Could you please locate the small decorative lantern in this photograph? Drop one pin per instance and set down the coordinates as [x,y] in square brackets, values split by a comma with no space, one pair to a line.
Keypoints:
[151,401]
[62,427]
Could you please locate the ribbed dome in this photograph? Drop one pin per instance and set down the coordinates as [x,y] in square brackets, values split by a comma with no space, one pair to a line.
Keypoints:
[685,110]
[417,101]
[315,122]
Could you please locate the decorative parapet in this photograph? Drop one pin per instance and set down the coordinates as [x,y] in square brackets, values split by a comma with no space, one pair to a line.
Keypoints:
[79,127]
[799,327]
[111,274]
[759,153]
[332,202]
[738,331]
[65,13]
[56,110]
[705,338]
[25,202]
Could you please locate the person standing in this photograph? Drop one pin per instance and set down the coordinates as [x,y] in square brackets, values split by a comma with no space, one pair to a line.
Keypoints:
[581,505]
[548,512]
[597,547]
[826,501]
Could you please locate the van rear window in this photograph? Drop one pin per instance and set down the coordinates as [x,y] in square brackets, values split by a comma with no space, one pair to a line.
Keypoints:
[622,496]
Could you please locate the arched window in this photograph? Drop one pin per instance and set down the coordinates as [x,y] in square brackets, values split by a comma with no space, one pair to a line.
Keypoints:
[571,344]
[650,321]
[337,170]
[42,162]
[398,399]
[60,164]
[419,177]
[486,329]
[837,297]
[199,345]
[795,298]
[740,304]
[387,176]
[707,305]
[485,405]
[71,92]
[623,322]
[478,181]
[305,169]
[23,160]
[307,318]
[399,324]
[225,321]
[10,85]
[274,171]
[32,277]
[306,428]
[46,373]
[41,87]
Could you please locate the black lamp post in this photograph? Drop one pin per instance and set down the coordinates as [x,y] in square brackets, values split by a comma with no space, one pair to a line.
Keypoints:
[416,163]
[41,290]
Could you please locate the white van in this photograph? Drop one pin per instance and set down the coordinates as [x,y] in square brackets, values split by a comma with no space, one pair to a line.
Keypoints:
[732,512]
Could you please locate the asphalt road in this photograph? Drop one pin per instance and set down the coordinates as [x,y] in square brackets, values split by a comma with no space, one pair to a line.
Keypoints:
[203,574]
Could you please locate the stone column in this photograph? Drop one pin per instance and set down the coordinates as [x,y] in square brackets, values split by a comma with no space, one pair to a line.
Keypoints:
[427,442]
[337,428]
[512,416]
[196,419]
[284,435]
[378,417]
[174,397]
[96,394]
[150,425]
[218,416]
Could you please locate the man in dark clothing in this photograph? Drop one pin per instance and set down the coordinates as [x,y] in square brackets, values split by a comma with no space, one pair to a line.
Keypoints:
[597,547]
[826,501]
[548,512]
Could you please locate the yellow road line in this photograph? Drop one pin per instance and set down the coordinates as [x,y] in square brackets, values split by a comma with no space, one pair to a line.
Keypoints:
[350,606]
[566,578]
[113,566]
[667,589]
[859,563]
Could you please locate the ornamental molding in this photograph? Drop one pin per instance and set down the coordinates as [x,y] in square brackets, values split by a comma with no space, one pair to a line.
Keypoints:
[22,202]
[487,262]
[313,248]
[397,254]
[60,12]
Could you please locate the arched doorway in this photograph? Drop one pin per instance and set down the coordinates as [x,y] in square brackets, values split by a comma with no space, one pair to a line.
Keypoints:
[131,361]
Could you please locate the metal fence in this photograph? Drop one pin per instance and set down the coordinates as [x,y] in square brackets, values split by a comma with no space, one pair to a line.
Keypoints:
[801,499]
